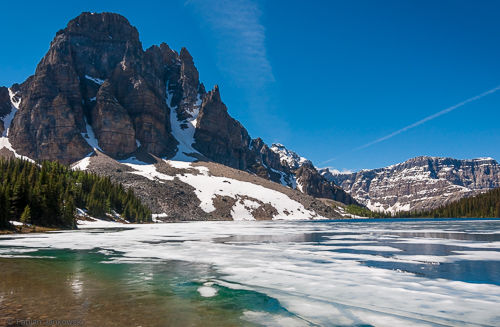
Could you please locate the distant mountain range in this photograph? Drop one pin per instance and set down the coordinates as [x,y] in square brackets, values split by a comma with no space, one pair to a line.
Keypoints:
[97,96]
[420,183]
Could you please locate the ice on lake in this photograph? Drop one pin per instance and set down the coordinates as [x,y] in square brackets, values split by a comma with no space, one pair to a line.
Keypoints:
[365,272]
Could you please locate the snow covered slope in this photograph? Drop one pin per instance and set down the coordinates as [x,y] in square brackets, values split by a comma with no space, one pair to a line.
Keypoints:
[181,190]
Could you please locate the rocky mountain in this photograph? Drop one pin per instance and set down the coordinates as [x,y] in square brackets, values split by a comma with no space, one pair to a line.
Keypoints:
[288,157]
[418,184]
[98,92]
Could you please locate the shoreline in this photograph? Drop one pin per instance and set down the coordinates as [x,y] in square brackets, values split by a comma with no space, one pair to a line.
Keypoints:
[99,223]
[24,229]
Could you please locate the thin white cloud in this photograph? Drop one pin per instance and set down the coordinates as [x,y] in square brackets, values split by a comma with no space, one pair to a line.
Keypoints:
[422,121]
[240,38]
[431,117]
[237,36]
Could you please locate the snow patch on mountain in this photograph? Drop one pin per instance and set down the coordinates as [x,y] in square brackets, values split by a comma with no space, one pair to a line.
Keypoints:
[242,209]
[183,130]
[288,157]
[89,137]
[7,121]
[286,179]
[82,164]
[300,187]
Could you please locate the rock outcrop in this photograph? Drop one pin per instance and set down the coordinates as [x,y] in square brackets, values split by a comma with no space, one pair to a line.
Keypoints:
[419,183]
[311,182]
[219,136]
[97,72]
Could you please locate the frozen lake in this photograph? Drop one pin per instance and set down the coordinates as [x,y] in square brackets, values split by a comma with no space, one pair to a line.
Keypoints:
[280,273]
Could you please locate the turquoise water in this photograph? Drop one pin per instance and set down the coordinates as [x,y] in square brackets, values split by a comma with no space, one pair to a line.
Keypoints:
[84,286]
[311,273]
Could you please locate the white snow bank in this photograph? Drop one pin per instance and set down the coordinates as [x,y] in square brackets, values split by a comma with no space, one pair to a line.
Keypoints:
[98,223]
[82,164]
[208,187]
[155,217]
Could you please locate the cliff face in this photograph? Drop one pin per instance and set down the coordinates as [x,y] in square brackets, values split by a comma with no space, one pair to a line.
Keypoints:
[419,183]
[311,182]
[219,136]
[94,76]
[97,89]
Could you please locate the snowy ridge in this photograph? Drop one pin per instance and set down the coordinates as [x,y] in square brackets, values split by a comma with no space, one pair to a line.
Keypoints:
[183,131]
[328,171]
[248,196]
[288,157]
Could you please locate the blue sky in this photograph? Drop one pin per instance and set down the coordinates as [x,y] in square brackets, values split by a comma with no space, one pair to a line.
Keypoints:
[322,77]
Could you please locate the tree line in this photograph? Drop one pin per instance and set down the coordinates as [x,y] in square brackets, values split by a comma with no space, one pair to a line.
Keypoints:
[484,205]
[48,193]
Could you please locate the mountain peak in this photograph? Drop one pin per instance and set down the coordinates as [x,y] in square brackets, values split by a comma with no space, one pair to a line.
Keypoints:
[185,55]
[291,158]
[214,95]
[107,26]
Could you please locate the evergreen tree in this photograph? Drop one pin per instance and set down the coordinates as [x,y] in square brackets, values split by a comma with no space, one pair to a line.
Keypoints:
[4,212]
[485,205]
[47,194]
[26,215]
